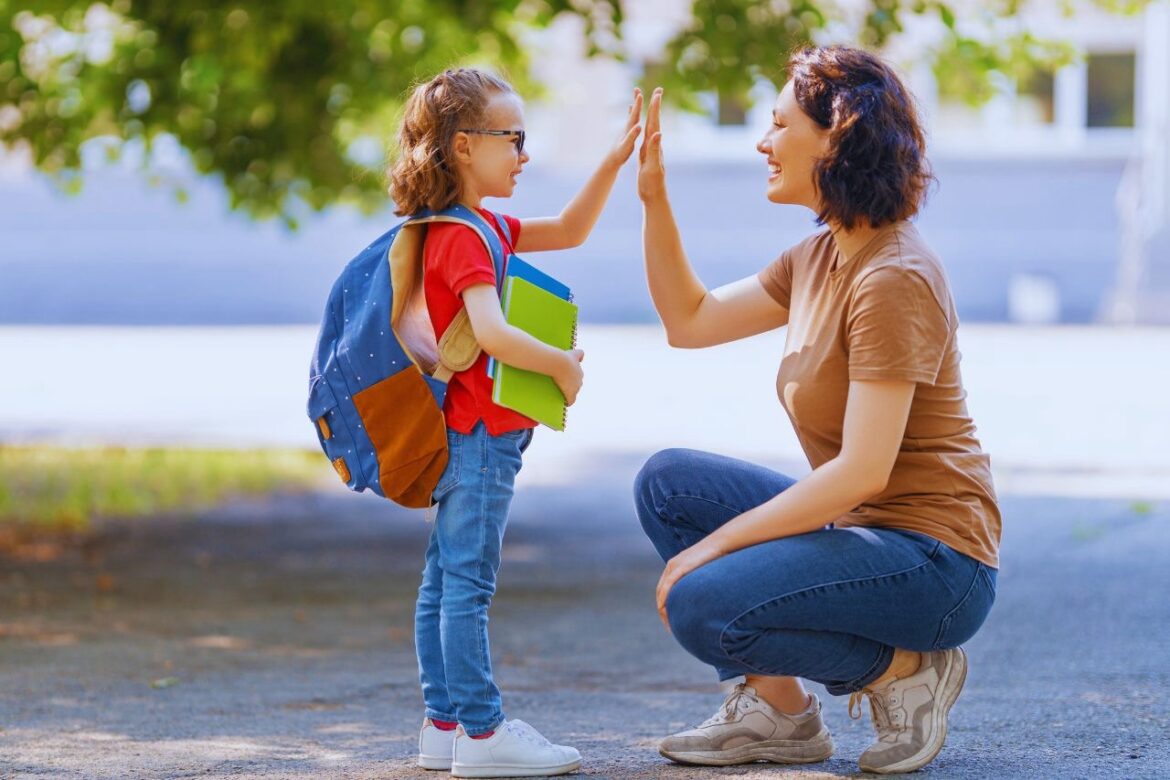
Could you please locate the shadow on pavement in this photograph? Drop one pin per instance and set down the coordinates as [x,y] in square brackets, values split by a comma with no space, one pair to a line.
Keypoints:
[274,640]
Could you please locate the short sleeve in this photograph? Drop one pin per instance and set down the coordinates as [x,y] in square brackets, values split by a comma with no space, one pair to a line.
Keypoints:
[895,328]
[461,258]
[515,226]
[777,279]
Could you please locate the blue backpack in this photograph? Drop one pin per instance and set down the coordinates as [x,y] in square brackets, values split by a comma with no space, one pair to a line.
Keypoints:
[379,376]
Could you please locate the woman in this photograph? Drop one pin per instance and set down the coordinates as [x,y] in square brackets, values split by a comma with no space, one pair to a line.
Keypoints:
[867,574]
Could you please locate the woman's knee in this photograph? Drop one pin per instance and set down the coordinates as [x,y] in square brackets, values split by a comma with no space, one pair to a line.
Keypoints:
[695,622]
[652,486]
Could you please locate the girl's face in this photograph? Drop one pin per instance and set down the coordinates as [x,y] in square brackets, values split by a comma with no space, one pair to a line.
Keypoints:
[793,145]
[489,164]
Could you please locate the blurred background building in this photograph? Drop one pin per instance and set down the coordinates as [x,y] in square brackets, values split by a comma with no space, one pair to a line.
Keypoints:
[1051,204]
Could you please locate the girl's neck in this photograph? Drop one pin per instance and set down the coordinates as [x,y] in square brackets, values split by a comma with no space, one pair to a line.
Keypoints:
[468,196]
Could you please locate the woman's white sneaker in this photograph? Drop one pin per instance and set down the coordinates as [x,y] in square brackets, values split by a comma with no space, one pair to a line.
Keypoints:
[435,746]
[747,729]
[910,714]
[515,750]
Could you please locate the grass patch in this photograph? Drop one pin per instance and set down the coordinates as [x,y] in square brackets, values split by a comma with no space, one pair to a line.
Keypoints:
[58,488]
[1142,508]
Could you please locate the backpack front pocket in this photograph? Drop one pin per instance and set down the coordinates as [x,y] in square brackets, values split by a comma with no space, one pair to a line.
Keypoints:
[405,424]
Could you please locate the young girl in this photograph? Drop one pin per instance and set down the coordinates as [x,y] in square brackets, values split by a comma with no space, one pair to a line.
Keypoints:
[462,139]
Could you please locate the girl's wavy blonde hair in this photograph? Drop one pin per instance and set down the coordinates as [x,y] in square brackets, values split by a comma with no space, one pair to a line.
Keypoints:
[423,175]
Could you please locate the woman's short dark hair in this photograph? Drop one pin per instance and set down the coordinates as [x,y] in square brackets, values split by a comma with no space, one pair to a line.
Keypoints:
[876,169]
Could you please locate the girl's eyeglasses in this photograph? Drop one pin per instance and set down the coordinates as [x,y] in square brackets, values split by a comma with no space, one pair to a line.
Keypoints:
[518,140]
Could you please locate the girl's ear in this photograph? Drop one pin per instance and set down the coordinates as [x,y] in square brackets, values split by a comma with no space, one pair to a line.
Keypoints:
[461,147]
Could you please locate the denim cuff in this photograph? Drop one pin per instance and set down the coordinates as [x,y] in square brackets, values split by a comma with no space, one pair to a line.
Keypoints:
[729,674]
[436,715]
[473,731]
[880,665]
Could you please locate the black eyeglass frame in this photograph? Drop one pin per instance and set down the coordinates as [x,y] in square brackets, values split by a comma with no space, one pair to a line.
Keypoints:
[518,141]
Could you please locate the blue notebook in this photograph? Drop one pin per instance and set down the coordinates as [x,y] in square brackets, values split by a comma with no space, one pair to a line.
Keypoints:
[523,270]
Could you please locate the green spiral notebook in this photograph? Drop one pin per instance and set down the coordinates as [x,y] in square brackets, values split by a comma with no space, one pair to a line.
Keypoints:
[551,319]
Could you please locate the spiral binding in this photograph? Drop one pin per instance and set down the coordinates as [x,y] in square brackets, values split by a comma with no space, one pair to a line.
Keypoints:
[565,414]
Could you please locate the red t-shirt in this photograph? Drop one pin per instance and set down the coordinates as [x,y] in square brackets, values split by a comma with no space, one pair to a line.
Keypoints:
[454,258]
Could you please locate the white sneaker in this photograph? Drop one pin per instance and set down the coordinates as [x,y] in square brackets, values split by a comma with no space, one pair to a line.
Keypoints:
[910,714]
[747,729]
[435,746]
[515,750]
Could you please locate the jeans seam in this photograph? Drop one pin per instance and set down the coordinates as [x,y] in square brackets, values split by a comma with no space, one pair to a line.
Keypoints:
[714,501]
[661,511]
[786,596]
[945,623]
[483,497]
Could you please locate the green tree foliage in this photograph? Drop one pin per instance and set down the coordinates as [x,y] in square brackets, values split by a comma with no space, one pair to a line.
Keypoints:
[732,44]
[270,96]
[290,103]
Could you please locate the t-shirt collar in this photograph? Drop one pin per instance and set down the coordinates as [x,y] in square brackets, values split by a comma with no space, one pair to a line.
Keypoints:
[867,249]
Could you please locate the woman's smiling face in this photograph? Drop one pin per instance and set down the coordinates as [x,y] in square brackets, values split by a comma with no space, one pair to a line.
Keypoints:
[792,145]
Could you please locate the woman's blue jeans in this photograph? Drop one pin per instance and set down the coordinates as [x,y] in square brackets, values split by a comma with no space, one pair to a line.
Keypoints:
[829,606]
[459,579]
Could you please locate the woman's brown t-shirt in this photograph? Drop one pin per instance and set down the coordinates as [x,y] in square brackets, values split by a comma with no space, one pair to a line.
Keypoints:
[886,314]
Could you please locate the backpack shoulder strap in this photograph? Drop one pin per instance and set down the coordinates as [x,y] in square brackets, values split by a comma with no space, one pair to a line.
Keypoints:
[505,227]
[460,214]
[457,347]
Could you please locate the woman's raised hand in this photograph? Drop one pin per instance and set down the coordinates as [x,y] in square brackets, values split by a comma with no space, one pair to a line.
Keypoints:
[625,145]
[651,171]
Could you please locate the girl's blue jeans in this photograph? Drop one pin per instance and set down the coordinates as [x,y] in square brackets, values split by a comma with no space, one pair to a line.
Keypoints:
[459,579]
[829,606]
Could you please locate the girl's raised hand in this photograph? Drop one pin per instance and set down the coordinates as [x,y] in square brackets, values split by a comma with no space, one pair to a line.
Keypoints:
[651,171]
[625,145]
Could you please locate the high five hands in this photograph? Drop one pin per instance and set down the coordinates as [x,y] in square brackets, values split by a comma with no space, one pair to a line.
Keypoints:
[651,171]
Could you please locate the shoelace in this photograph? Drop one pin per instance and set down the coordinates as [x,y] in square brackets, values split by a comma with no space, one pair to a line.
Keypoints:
[878,710]
[739,700]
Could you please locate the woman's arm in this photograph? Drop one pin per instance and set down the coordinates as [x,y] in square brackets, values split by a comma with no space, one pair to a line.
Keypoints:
[576,221]
[510,345]
[875,423]
[692,315]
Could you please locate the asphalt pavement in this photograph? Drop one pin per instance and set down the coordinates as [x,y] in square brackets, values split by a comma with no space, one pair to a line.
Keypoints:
[273,640]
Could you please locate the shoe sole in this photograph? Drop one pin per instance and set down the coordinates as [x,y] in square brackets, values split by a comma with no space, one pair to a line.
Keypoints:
[777,751]
[434,762]
[505,770]
[952,686]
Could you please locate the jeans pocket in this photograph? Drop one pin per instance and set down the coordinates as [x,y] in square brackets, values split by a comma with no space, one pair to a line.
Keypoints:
[450,479]
[966,617]
[507,455]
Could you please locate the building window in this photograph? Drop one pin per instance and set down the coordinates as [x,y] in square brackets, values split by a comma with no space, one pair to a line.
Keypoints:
[1111,90]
